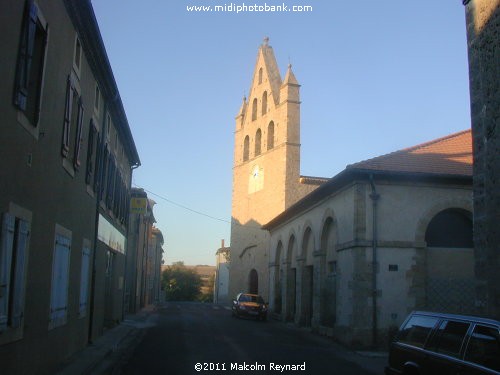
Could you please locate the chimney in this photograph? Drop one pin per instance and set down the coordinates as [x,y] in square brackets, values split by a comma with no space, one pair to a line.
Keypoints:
[222,244]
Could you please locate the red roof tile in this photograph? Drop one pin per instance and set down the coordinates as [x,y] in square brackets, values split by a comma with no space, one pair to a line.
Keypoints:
[448,155]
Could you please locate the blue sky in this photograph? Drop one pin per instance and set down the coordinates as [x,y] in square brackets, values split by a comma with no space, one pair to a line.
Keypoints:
[376,76]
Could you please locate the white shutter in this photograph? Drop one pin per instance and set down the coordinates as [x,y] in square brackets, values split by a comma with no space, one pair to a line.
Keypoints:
[84,281]
[20,271]
[7,240]
[60,273]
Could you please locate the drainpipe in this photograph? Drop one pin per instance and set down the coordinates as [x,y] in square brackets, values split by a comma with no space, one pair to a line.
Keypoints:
[374,196]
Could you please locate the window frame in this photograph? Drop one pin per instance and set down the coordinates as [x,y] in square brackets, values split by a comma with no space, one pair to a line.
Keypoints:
[33,20]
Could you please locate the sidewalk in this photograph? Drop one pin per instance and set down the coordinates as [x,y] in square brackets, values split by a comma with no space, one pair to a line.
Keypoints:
[92,359]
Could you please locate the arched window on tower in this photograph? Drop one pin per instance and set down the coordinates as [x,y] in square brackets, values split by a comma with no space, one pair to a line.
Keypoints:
[264,103]
[258,142]
[260,76]
[246,148]
[254,109]
[270,135]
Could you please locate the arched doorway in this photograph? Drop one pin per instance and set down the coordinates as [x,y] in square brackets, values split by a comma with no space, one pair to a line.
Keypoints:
[277,280]
[253,282]
[329,281]
[450,262]
[291,279]
[307,280]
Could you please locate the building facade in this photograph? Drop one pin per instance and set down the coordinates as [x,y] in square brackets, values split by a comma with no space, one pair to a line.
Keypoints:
[382,238]
[144,255]
[221,280]
[483,37]
[68,155]
[266,172]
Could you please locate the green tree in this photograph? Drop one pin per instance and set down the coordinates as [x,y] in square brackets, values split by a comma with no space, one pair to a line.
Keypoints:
[181,283]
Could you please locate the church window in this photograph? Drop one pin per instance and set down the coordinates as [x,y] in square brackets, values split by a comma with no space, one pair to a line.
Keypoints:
[260,76]
[246,147]
[270,135]
[254,109]
[258,140]
[264,103]
[450,228]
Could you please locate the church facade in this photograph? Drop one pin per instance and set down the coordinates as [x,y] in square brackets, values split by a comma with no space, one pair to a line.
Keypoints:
[266,171]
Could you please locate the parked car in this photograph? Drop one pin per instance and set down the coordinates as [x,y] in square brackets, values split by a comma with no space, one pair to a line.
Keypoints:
[433,343]
[251,305]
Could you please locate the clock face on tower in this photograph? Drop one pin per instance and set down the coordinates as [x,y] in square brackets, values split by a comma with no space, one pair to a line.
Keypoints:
[256,179]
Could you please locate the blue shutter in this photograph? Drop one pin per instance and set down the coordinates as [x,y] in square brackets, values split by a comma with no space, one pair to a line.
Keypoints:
[84,281]
[7,241]
[20,272]
[60,273]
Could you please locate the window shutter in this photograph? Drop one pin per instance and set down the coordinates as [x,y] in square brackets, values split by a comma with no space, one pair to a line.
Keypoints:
[90,153]
[25,55]
[20,271]
[60,273]
[84,280]
[67,118]
[78,139]
[8,227]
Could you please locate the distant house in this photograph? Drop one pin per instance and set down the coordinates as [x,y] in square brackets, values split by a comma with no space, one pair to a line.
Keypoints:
[221,282]
[67,158]
[383,237]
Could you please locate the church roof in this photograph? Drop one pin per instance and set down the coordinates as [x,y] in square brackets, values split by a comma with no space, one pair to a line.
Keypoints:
[450,155]
[444,160]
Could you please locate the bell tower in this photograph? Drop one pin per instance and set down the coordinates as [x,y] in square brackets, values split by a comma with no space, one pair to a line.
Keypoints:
[266,170]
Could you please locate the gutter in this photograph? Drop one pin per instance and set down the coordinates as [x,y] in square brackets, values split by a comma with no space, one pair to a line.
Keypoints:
[374,196]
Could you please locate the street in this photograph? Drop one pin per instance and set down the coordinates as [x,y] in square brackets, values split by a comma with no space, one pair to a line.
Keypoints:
[191,338]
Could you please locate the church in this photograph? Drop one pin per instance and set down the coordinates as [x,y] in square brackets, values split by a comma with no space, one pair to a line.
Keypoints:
[348,256]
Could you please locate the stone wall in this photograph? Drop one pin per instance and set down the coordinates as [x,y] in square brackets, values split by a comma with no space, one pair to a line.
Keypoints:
[483,34]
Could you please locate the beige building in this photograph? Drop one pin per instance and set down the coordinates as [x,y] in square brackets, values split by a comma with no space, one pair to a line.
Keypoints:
[221,281]
[382,238]
[67,158]
[266,173]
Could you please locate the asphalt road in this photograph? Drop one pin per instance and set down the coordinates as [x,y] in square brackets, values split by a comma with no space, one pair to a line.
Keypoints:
[185,337]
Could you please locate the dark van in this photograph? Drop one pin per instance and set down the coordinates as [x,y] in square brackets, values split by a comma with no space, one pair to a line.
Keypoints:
[433,343]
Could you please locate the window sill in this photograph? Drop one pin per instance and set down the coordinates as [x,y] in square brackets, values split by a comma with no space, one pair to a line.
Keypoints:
[26,124]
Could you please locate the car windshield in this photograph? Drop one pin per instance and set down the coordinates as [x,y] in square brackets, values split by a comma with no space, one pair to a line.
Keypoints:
[251,298]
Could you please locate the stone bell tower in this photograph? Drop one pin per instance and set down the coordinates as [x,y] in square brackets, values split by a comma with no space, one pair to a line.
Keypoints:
[266,171]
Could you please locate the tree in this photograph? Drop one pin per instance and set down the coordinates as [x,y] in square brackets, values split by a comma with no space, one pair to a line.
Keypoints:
[180,283]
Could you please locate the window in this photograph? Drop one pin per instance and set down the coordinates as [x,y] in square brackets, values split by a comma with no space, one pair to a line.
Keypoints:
[450,228]
[270,135]
[264,103]
[417,330]
[77,60]
[449,337]
[97,100]
[91,146]
[246,148]
[13,256]
[30,64]
[60,278]
[258,140]
[84,278]
[260,76]
[254,109]
[484,347]
[73,120]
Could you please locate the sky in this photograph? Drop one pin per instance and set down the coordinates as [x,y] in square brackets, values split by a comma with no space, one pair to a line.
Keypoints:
[376,77]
